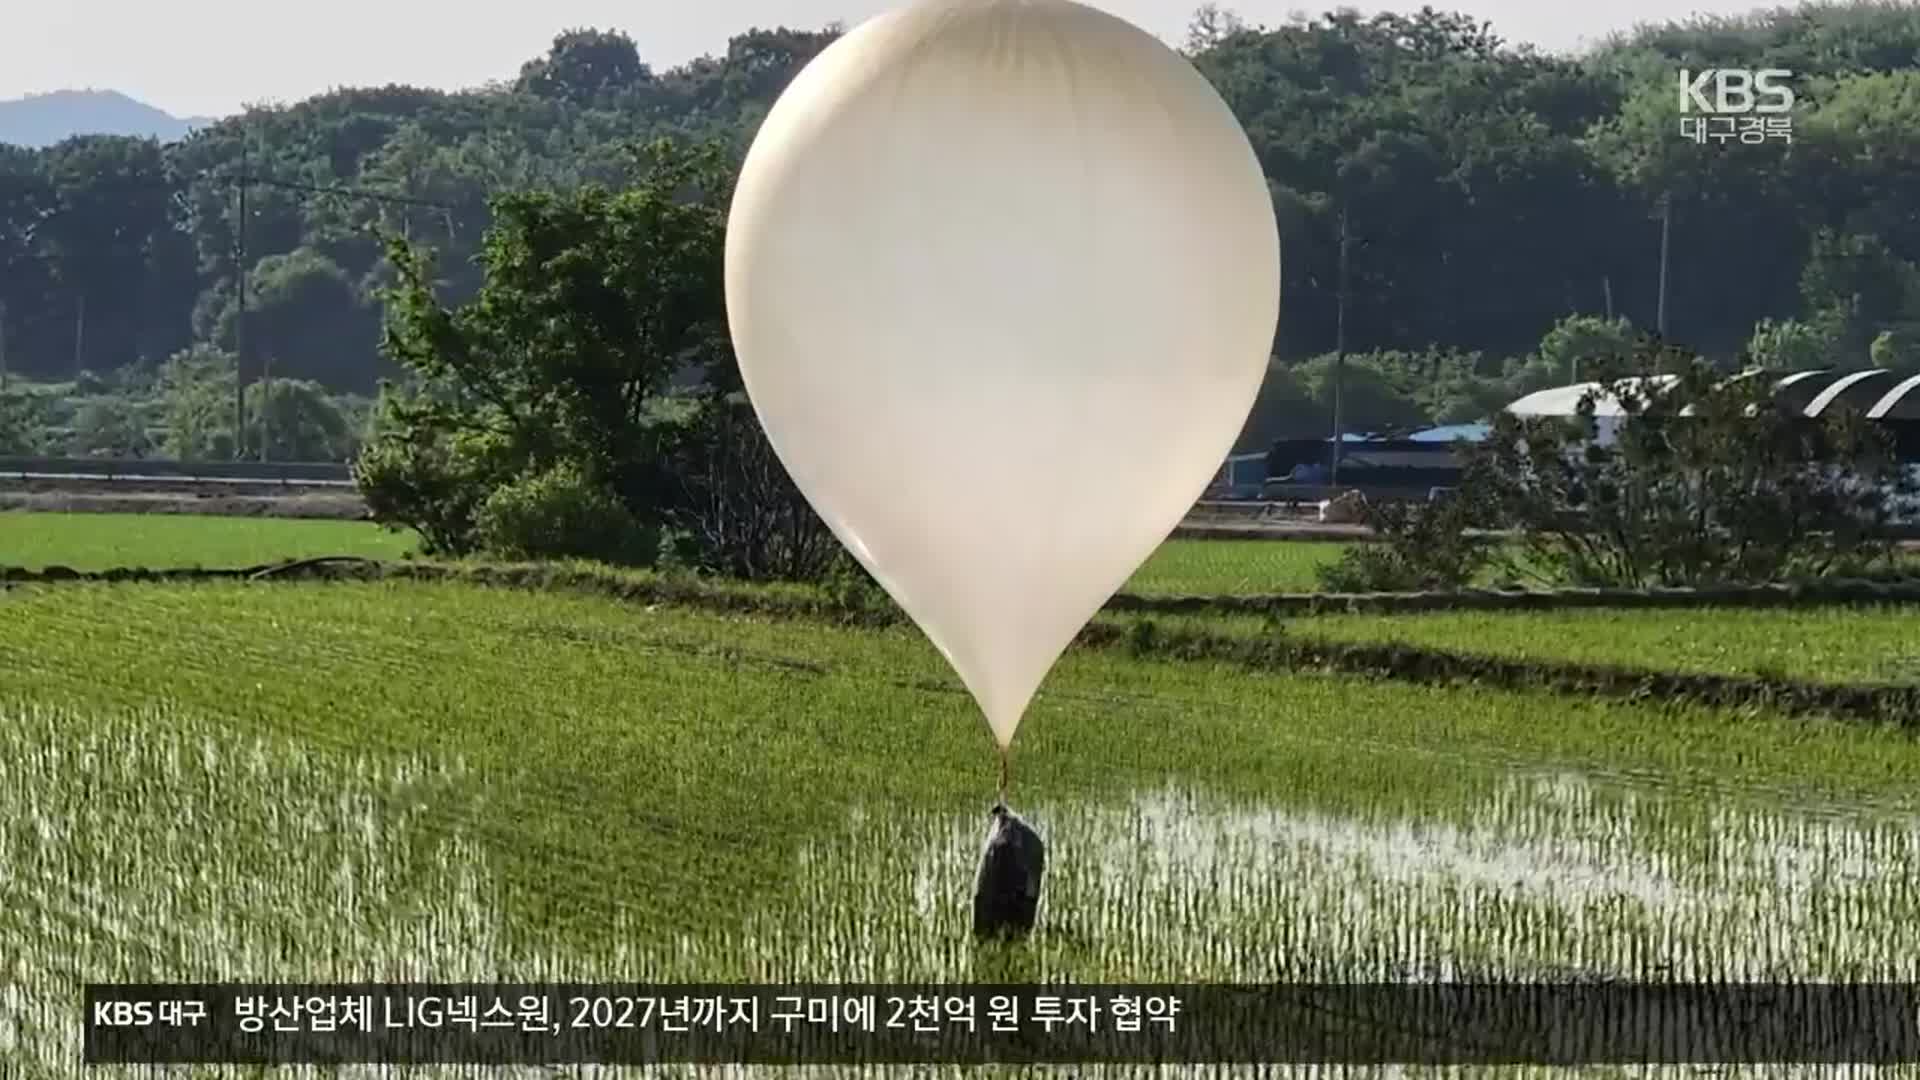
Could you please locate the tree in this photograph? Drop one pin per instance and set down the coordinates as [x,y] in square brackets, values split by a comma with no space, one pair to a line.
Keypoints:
[740,514]
[422,469]
[1212,24]
[591,302]
[1471,210]
[1862,285]
[1585,343]
[1791,345]
[1284,409]
[114,199]
[562,514]
[1702,480]
[735,89]
[295,420]
[27,200]
[196,388]
[307,320]
[1487,192]
[1376,393]
[1421,546]
[760,63]
[110,427]
[1897,349]
[1450,386]
[22,424]
[583,65]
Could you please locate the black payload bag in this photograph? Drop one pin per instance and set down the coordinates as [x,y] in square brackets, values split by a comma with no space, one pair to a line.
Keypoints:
[1006,898]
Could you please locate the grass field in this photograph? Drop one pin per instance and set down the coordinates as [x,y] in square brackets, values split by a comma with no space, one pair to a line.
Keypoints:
[1825,644]
[1234,567]
[104,541]
[330,781]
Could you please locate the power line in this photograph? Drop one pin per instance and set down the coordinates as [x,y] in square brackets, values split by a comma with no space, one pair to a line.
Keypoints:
[240,324]
[179,185]
[182,184]
[245,180]
[344,191]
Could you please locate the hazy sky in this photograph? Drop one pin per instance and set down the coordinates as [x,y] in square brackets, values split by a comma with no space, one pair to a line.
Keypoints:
[200,57]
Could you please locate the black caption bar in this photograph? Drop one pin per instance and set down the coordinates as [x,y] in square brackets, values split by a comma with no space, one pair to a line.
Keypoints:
[629,1024]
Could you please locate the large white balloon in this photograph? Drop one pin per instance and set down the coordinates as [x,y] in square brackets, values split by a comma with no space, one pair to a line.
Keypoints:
[1003,278]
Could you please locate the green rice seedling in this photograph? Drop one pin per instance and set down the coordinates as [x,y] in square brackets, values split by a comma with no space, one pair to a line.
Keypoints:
[1234,567]
[1548,877]
[410,781]
[1817,643]
[85,541]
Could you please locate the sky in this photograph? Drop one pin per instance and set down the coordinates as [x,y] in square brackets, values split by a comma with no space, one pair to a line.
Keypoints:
[208,57]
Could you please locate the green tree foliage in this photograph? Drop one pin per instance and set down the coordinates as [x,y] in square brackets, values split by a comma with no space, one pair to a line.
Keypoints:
[1703,479]
[307,320]
[1210,26]
[1421,546]
[1792,345]
[592,302]
[1284,409]
[295,420]
[1377,390]
[1822,39]
[1859,287]
[22,424]
[1382,391]
[197,388]
[427,472]
[149,235]
[584,65]
[562,513]
[1486,194]
[109,427]
[27,286]
[1897,350]
[1584,344]
[109,241]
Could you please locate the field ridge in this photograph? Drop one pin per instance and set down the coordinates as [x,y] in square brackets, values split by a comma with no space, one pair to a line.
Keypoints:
[1890,702]
[1896,703]
[649,587]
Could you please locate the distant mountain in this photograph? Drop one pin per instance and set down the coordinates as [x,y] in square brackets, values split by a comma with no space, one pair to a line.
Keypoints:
[44,119]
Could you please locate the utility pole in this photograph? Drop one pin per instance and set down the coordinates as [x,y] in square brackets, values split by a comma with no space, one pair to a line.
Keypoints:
[3,346]
[79,335]
[1339,353]
[266,359]
[266,405]
[1666,223]
[1606,290]
[240,324]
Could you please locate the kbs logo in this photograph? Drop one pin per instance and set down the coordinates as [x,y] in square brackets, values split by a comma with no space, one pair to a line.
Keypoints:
[1735,91]
[122,1013]
[1725,104]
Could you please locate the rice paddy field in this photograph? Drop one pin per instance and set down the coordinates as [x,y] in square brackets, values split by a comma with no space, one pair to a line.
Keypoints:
[1234,567]
[331,781]
[90,541]
[87,541]
[1843,645]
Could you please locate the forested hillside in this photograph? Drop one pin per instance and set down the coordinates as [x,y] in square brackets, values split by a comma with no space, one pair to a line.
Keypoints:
[1487,195]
